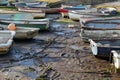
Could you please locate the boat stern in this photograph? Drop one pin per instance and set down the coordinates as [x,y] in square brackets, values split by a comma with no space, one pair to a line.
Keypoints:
[116,58]
[93,47]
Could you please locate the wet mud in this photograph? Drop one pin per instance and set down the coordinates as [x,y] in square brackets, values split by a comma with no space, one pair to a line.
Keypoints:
[57,54]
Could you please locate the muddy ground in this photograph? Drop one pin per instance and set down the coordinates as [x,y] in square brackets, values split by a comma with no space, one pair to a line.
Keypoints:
[58,54]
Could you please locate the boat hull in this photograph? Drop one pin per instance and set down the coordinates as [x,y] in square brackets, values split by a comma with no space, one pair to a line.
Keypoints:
[39,10]
[26,33]
[6,40]
[76,16]
[29,24]
[103,48]
[100,29]
[116,58]
[86,34]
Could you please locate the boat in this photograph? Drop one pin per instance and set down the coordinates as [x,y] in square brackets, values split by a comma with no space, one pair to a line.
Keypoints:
[38,10]
[14,15]
[111,18]
[110,10]
[22,32]
[30,14]
[54,3]
[102,48]
[100,29]
[92,12]
[65,9]
[75,15]
[6,40]
[42,24]
[116,59]
[24,7]
[31,4]
[34,4]
[24,20]
[4,2]
[115,4]
[26,33]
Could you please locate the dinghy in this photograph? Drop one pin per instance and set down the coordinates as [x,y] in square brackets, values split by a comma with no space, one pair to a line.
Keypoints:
[6,40]
[102,48]
[99,29]
[24,20]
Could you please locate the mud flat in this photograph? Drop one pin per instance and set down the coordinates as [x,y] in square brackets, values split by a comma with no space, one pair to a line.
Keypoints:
[58,54]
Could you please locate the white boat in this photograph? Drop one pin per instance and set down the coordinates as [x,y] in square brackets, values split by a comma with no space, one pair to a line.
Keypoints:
[115,57]
[76,15]
[26,33]
[6,40]
[102,48]
[22,32]
[36,8]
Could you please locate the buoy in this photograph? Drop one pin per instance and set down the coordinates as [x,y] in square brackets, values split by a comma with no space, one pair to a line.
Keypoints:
[12,27]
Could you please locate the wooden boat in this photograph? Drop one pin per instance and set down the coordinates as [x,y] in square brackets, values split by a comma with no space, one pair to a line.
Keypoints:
[102,48]
[28,8]
[75,15]
[6,39]
[24,20]
[116,59]
[65,9]
[4,2]
[99,29]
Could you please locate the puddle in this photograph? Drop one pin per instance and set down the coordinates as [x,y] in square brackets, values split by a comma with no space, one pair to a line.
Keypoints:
[50,59]
[33,75]
[59,33]
[27,62]
[75,47]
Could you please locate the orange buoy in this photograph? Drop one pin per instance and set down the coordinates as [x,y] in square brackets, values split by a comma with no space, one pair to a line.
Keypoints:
[12,27]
